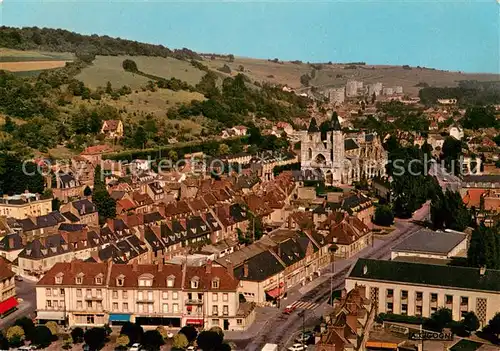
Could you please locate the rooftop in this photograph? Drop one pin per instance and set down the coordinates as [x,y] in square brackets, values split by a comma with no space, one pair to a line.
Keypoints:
[429,241]
[464,278]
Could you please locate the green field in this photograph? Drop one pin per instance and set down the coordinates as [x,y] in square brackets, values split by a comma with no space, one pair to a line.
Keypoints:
[109,68]
[9,55]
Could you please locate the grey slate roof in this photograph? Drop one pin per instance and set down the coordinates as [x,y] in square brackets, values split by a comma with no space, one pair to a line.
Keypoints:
[486,178]
[464,278]
[350,144]
[429,241]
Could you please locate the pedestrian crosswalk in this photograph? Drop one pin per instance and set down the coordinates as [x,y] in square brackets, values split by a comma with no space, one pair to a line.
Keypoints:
[306,305]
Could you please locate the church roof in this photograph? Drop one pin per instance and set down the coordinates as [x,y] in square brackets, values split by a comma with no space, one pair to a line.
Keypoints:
[350,144]
[313,126]
[335,123]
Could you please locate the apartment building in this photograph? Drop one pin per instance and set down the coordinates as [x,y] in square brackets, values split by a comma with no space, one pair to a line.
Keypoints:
[8,300]
[25,205]
[418,289]
[90,294]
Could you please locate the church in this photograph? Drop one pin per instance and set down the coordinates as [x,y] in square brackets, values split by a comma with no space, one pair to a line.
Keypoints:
[341,158]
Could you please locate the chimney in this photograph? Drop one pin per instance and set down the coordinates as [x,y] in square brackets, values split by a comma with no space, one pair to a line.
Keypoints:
[482,270]
[135,266]
[230,268]
[245,270]
[208,267]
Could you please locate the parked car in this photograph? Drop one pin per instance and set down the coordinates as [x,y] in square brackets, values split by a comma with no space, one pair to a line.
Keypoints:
[191,348]
[26,348]
[289,309]
[135,347]
[297,347]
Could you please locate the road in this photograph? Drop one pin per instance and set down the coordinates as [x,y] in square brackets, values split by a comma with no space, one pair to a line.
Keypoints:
[26,291]
[445,179]
[280,328]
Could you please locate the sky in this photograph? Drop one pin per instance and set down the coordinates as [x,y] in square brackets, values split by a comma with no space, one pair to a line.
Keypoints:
[461,35]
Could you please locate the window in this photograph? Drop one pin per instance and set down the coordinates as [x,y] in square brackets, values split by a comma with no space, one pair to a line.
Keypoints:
[464,300]
[194,284]
[55,304]
[175,308]
[125,294]
[404,309]
[165,308]
[390,292]
[99,292]
[125,307]
[59,280]
[115,294]
[390,307]
[215,310]
[61,291]
[404,294]
[170,282]
[418,310]
[78,292]
[419,295]
[239,321]
[88,292]
[150,296]
[225,310]
[150,308]
[79,280]
[79,305]
[215,322]
[175,295]
[89,304]
[215,284]
[115,306]
[140,296]
[449,299]
[215,297]
[434,297]
[90,319]
[225,297]
[165,295]
[98,280]
[54,292]
[49,304]
[48,292]
[119,281]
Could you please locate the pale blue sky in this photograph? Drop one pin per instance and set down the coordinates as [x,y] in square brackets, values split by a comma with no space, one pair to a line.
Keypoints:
[454,35]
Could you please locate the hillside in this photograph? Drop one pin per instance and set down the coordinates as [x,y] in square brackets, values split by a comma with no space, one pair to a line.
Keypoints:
[57,87]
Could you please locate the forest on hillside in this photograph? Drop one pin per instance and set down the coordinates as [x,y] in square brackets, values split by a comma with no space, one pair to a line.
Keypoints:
[84,46]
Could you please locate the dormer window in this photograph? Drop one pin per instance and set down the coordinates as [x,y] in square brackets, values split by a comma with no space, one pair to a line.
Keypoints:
[79,278]
[120,280]
[215,283]
[170,281]
[194,282]
[146,280]
[99,279]
[59,278]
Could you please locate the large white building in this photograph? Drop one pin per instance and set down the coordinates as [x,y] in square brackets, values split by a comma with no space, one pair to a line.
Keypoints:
[418,289]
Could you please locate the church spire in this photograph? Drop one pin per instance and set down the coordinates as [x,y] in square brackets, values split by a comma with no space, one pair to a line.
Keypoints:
[335,123]
[313,126]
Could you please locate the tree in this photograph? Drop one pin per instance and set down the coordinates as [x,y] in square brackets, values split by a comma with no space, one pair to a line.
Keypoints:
[95,338]
[484,248]
[87,191]
[9,125]
[241,68]
[42,336]
[439,319]
[15,335]
[133,331]
[4,343]
[470,322]
[130,66]
[449,211]
[106,205]
[493,326]
[230,57]
[123,341]
[223,149]
[172,155]
[109,88]
[383,216]
[152,340]
[190,332]
[180,341]
[53,327]
[209,340]
[140,137]
[374,98]
[77,335]
[163,332]
[27,325]
[67,342]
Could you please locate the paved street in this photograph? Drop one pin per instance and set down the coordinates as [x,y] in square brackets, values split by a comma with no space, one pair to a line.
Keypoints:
[272,326]
[26,291]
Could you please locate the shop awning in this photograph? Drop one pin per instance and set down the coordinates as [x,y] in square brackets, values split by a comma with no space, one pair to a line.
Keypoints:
[194,321]
[50,315]
[278,291]
[8,305]
[119,317]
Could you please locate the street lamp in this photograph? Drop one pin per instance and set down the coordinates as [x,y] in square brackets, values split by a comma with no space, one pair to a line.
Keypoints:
[332,249]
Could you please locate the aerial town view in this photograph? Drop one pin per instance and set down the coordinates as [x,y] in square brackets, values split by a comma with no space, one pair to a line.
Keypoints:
[250,176]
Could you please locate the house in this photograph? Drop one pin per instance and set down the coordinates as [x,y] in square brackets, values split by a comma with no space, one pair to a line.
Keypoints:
[419,289]
[456,132]
[94,153]
[24,205]
[240,130]
[67,186]
[112,129]
[84,169]
[84,210]
[11,245]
